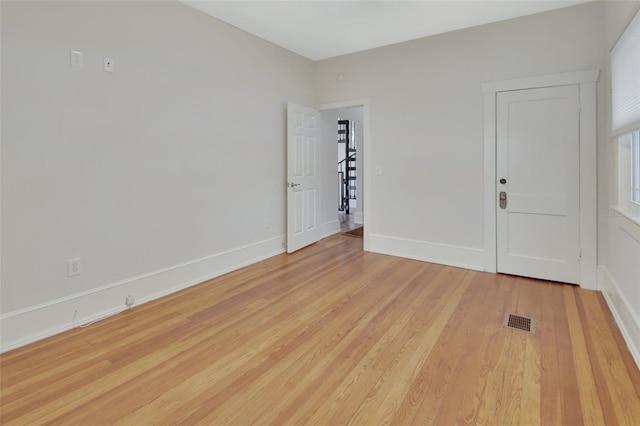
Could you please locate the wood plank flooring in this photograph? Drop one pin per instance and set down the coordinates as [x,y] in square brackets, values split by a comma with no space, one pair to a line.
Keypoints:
[332,335]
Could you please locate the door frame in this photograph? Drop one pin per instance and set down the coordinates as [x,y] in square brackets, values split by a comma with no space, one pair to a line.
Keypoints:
[367,190]
[586,80]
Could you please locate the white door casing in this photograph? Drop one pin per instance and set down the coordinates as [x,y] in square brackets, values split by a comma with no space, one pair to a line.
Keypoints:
[586,81]
[303,176]
[537,158]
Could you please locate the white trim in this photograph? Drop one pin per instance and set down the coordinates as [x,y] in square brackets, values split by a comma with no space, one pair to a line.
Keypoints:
[445,254]
[624,205]
[626,129]
[626,222]
[343,104]
[588,188]
[627,320]
[564,79]
[490,243]
[368,193]
[588,185]
[34,323]
[329,228]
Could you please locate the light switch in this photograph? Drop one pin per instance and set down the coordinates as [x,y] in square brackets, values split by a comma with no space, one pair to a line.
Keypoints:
[76,58]
[378,170]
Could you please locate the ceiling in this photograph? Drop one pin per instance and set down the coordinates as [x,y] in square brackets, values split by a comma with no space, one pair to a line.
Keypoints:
[324,29]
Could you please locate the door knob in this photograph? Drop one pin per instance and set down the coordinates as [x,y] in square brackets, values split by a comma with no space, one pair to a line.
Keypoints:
[503,181]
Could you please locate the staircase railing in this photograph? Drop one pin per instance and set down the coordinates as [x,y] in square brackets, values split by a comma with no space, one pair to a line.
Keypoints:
[346,167]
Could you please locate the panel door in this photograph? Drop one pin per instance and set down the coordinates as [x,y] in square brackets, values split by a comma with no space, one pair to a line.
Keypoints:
[303,176]
[537,148]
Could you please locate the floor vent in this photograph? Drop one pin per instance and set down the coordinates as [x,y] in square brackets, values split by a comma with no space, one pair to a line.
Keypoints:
[517,322]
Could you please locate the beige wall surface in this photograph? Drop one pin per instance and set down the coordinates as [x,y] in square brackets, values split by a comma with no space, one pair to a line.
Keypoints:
[177,155]
[426,115]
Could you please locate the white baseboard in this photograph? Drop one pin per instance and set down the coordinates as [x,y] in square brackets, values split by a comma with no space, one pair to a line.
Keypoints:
[38,322]
[461,257]
[627,320]
[329,228]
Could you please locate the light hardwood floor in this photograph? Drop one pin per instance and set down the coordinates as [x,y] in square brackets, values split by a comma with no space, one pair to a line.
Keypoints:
[332,335]
[347,222]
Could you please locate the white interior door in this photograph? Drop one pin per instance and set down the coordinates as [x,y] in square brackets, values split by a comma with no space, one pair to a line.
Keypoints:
[303,176]
[537,168]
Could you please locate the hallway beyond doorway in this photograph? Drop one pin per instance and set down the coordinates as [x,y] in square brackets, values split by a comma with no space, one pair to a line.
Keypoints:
[347,222]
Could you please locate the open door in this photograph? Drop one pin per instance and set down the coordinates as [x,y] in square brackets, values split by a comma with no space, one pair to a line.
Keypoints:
[303,176]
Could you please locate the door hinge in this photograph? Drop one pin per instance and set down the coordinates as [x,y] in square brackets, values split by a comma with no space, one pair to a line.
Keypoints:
[580,256]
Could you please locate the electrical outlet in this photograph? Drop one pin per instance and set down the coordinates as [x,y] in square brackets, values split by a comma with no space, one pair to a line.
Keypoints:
[73,267]
[130,301]
[267,223]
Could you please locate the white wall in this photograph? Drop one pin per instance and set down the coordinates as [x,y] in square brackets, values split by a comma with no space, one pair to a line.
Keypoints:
[620,254]
[426,116]
[157,176]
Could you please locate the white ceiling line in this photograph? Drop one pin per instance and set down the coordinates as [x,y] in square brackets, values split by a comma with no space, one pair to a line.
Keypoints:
[324,29]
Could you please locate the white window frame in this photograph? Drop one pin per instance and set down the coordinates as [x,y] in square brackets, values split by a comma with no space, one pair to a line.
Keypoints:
[628,201]
[635,169]
[625,120]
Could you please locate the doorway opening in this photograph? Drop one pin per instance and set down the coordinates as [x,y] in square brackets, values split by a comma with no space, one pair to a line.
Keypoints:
[347,165]
[343,138]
